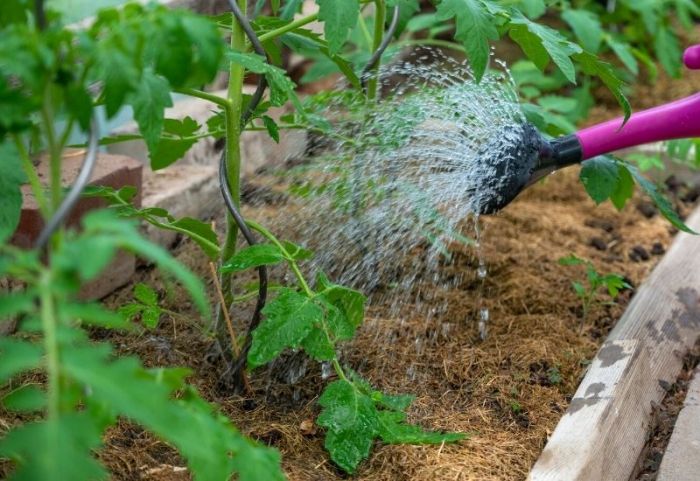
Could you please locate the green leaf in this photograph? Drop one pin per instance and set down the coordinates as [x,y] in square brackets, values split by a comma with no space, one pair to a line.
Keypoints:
[533,8]
[349,307]
[586,26]
[17,356]
[27,398]
[119,74]
[146,294]
[55,450]
[591,65]
[281,86]
[201,233]
[600,177]
[296,252]
[206,439]
[288,319]
[339,18]
[175,146]
[253,256]
[625,53]
[17,303]
[352,423]
[102,225]
[668,51]
[92,314]
[394,430]
[475,28]
[272,128]
[149,100]
[318,345]
[624,189]
[571,260]
[661,202]
[11,178]
[540,42]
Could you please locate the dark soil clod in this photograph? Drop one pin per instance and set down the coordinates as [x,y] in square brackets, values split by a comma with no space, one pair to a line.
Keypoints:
[658,249]
[599,243]
[647,209]
[638,254]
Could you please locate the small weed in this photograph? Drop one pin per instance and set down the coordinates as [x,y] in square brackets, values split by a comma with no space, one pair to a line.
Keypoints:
[589,292]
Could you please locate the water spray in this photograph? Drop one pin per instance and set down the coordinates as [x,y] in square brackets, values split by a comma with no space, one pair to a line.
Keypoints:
[534,156]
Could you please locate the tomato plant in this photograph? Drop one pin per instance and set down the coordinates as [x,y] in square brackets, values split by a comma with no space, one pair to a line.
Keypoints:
[52,80]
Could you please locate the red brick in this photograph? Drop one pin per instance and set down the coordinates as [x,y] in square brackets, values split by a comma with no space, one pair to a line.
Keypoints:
[114,171]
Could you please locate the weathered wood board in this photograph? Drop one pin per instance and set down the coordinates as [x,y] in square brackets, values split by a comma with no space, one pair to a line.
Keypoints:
[603,432]
[681,462]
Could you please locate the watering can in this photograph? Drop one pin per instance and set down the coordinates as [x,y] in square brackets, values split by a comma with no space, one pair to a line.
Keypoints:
[534,157]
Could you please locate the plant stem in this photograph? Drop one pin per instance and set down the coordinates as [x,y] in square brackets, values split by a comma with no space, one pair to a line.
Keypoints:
[49,326]
[32,176]
[292,264]
[288,28]
[379,20]
[436,42]
[224,103]
[339,371]
[54,151]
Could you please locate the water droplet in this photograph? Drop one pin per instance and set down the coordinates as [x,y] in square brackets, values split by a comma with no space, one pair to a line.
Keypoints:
[483,323]
[481,272]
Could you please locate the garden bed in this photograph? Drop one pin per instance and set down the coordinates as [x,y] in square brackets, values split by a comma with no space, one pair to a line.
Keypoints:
[508,391]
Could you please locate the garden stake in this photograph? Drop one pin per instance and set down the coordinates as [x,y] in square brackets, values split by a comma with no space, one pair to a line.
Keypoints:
[534,156]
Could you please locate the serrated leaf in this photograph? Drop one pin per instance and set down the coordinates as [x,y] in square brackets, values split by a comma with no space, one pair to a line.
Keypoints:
[281,86]
[91,313]
[352,423]
[150,316]
[287,320]
[146,294]
[120,77]
[349,304]
[624,189]
[201,233]
[339,18]
[17,356]
[540,42]
[27,398]
[65,446]
[174,147]
[533,8]
[661,202]
[475,28]
[625,53]
[586,25]
[668,51]
[600,177]
[394,430]
[204,438]
[149,101]
[318,345]
[11,178]
[253,256]
[604,71]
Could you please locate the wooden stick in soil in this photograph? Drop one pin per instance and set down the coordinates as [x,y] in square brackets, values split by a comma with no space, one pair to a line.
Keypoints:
[229,325]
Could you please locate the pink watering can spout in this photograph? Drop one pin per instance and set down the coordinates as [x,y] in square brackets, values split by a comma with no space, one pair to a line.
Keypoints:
[533,156]
[675,120]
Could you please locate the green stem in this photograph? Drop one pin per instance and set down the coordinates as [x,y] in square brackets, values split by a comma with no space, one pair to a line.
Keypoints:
[379,20]
[288,28]
[224,103]
[436,42]
[55,184]
[339,371]
[365,31]
[292,264]
[49,325]
[32,176]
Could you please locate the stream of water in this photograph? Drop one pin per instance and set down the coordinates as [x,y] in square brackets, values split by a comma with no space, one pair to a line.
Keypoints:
[397,185]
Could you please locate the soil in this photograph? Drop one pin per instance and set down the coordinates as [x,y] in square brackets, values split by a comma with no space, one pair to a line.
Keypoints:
[508,391]
[664,418]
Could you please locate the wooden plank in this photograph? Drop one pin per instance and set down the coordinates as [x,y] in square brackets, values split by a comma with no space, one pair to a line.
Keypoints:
[681,461]
[601,436]
[589,440]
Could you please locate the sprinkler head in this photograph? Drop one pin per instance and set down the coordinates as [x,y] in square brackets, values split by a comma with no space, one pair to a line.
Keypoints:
[511,166]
